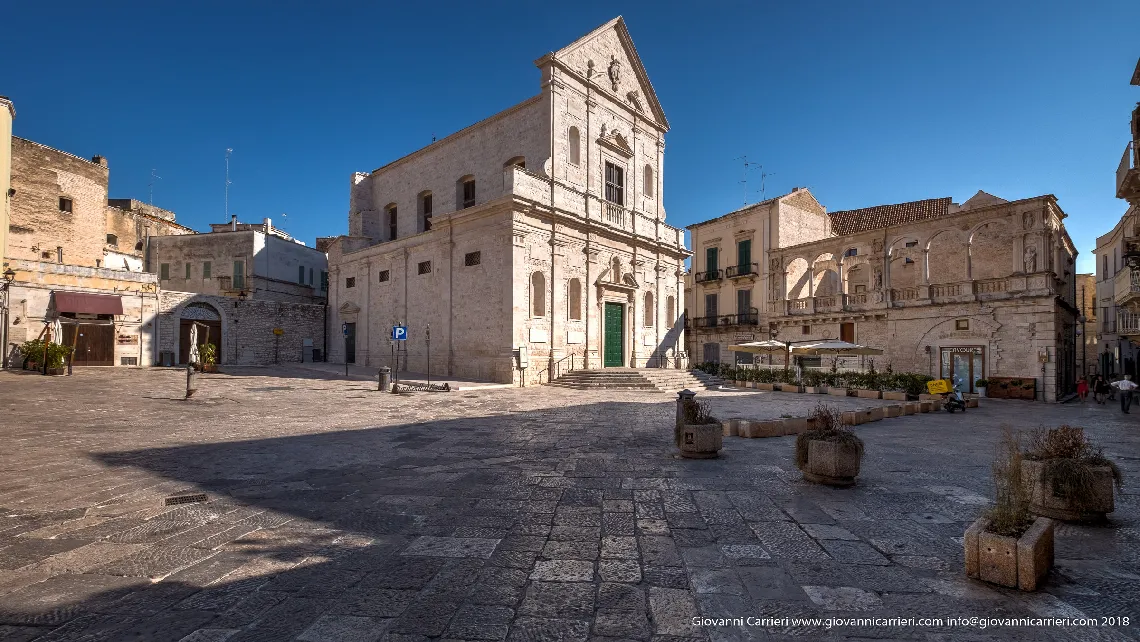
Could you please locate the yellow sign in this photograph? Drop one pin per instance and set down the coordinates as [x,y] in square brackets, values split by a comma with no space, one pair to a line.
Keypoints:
[278,331]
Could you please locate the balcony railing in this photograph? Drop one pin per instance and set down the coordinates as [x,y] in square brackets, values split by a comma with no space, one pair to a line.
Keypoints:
[615,214]
[1126,286]
[1127,323]
[706,276]
[1127,177]
[828,303]
[706,322]
[752,317]
[743,269]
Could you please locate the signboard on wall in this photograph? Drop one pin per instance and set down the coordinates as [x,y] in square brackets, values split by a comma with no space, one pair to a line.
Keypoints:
[127,339]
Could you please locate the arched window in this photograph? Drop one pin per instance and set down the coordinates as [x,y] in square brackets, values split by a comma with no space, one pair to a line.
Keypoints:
[575,143]
[670,311]
[517,160]
[574,299]
[425,206]
[650,313]
[615,270]
[851,251]
[647,181]
[465,192]
[391,213]
[537,295]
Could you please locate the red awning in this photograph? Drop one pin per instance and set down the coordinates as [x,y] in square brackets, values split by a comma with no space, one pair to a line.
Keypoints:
[89,303]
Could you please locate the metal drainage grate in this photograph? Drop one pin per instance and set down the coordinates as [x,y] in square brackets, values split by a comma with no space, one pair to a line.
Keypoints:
[185,499]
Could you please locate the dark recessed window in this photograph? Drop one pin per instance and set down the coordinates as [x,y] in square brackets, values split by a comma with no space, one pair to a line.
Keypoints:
[469,193]
[350,282]
[112,240]
[424,267]
[164,271]
[187,269]
[854,251]
[615,184]
[962,324]
[472,258]
[805,329]
[65,204]
[385,275]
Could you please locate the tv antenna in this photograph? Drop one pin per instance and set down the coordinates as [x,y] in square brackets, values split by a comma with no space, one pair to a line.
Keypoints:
[749,166]
[153,177]
[229,151]
[763,176]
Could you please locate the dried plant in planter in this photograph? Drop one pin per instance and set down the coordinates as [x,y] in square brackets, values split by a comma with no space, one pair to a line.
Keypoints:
[694,413]
[1069,478]
[1010,514]
[825,423]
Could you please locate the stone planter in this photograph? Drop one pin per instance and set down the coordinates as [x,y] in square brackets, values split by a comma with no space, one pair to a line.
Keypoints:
[895,396]
[739,383]
[55,372]
[831,463]
[856,417]
[1006,561]
[771,428]
[209,367]
[972,402]
[837,392]
[794,425]
[701,441]
[926,397]
[1042,500]
[981,391]
[731,428]
[765,386]
[868,394]
[812,390]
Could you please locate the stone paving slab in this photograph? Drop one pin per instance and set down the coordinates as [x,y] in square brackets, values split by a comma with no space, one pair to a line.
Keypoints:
[503,514]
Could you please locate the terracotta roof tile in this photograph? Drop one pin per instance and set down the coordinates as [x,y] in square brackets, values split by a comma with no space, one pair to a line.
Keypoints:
[872,218]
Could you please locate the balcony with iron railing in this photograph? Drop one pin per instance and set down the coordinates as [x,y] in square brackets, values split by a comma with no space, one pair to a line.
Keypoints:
[1127,323]
[1126,287]
[1128,173]
[750,318]
[741,270]
[708,276]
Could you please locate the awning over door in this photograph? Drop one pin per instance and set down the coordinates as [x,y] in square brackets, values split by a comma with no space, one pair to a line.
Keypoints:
[88,303]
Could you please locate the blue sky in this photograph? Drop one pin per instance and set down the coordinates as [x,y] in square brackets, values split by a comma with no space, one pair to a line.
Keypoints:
[865,103]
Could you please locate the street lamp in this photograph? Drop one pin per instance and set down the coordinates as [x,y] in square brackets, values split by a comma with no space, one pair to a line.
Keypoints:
[5,287]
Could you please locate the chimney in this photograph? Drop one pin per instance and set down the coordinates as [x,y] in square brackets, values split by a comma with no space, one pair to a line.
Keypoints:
[233,222]
[268,225]
[99,160]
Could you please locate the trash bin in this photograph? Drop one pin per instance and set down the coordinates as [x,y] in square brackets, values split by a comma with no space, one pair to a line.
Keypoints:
[385,377]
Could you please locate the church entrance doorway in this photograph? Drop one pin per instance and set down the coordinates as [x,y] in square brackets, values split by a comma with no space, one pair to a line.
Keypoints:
[614,335]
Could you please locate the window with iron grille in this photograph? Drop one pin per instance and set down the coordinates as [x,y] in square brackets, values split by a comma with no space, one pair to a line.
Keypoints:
[615,184]
[472,258]
[128,361]
[187,269]
[164,271]
[350,282]
[385,275]
[206,267]
[424,267]
[65,204]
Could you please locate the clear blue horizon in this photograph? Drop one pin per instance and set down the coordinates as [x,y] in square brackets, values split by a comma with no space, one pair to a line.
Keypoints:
[864,104]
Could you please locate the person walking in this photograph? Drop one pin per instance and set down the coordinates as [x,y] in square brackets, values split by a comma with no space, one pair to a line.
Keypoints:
[1125,386]
[1112,379]
[1100,389]
[1083,389]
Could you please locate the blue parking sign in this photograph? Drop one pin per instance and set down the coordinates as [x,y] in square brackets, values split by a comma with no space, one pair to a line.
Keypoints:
[399,333]
[344,329]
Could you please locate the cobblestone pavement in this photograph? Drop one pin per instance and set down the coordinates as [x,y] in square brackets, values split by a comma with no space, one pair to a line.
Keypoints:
[339,513]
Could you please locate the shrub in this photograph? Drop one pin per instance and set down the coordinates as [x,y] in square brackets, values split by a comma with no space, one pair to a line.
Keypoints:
[33,350]
[981,383]
[825,423]
[1069,459]
[56,353]
[209,353]
[1010,514]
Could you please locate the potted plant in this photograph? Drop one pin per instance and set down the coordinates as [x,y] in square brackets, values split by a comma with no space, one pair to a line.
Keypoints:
[1006,545]
[980,385]
[698,435]
[1029,390]
[57,358]
[828,453]
[208,352]
[33,353]
[1068,478]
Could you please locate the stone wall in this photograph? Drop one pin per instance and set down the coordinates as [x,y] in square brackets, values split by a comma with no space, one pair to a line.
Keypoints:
[41,176]
[247,327]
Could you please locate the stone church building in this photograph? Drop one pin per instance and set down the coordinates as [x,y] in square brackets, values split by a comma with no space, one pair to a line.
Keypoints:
[532,238]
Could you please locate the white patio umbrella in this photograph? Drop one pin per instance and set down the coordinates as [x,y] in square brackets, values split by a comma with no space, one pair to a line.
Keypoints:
[760,347]
[193,358]
[842,348]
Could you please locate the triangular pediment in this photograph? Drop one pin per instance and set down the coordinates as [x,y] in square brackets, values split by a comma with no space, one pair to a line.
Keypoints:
[616,68]
[616,142]
[348,307]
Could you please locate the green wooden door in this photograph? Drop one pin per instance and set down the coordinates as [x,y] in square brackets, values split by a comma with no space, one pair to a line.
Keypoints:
[614,335]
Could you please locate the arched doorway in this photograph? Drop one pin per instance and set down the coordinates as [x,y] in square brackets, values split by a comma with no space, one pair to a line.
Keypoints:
[204,314]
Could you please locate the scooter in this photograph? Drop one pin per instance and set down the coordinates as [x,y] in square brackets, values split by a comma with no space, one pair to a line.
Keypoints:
[953,401]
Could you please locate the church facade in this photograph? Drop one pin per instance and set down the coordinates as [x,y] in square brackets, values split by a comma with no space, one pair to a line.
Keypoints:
[527,242]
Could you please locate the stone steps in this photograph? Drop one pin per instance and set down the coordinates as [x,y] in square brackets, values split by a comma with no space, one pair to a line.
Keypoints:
[648,379]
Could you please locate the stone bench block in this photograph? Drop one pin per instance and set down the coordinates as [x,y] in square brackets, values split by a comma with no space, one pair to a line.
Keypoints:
[868,394]
[895,396]
[893,410]
[837,392]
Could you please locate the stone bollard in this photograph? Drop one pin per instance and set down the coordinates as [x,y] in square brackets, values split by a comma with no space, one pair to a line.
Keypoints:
[385,377]
[191,381]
